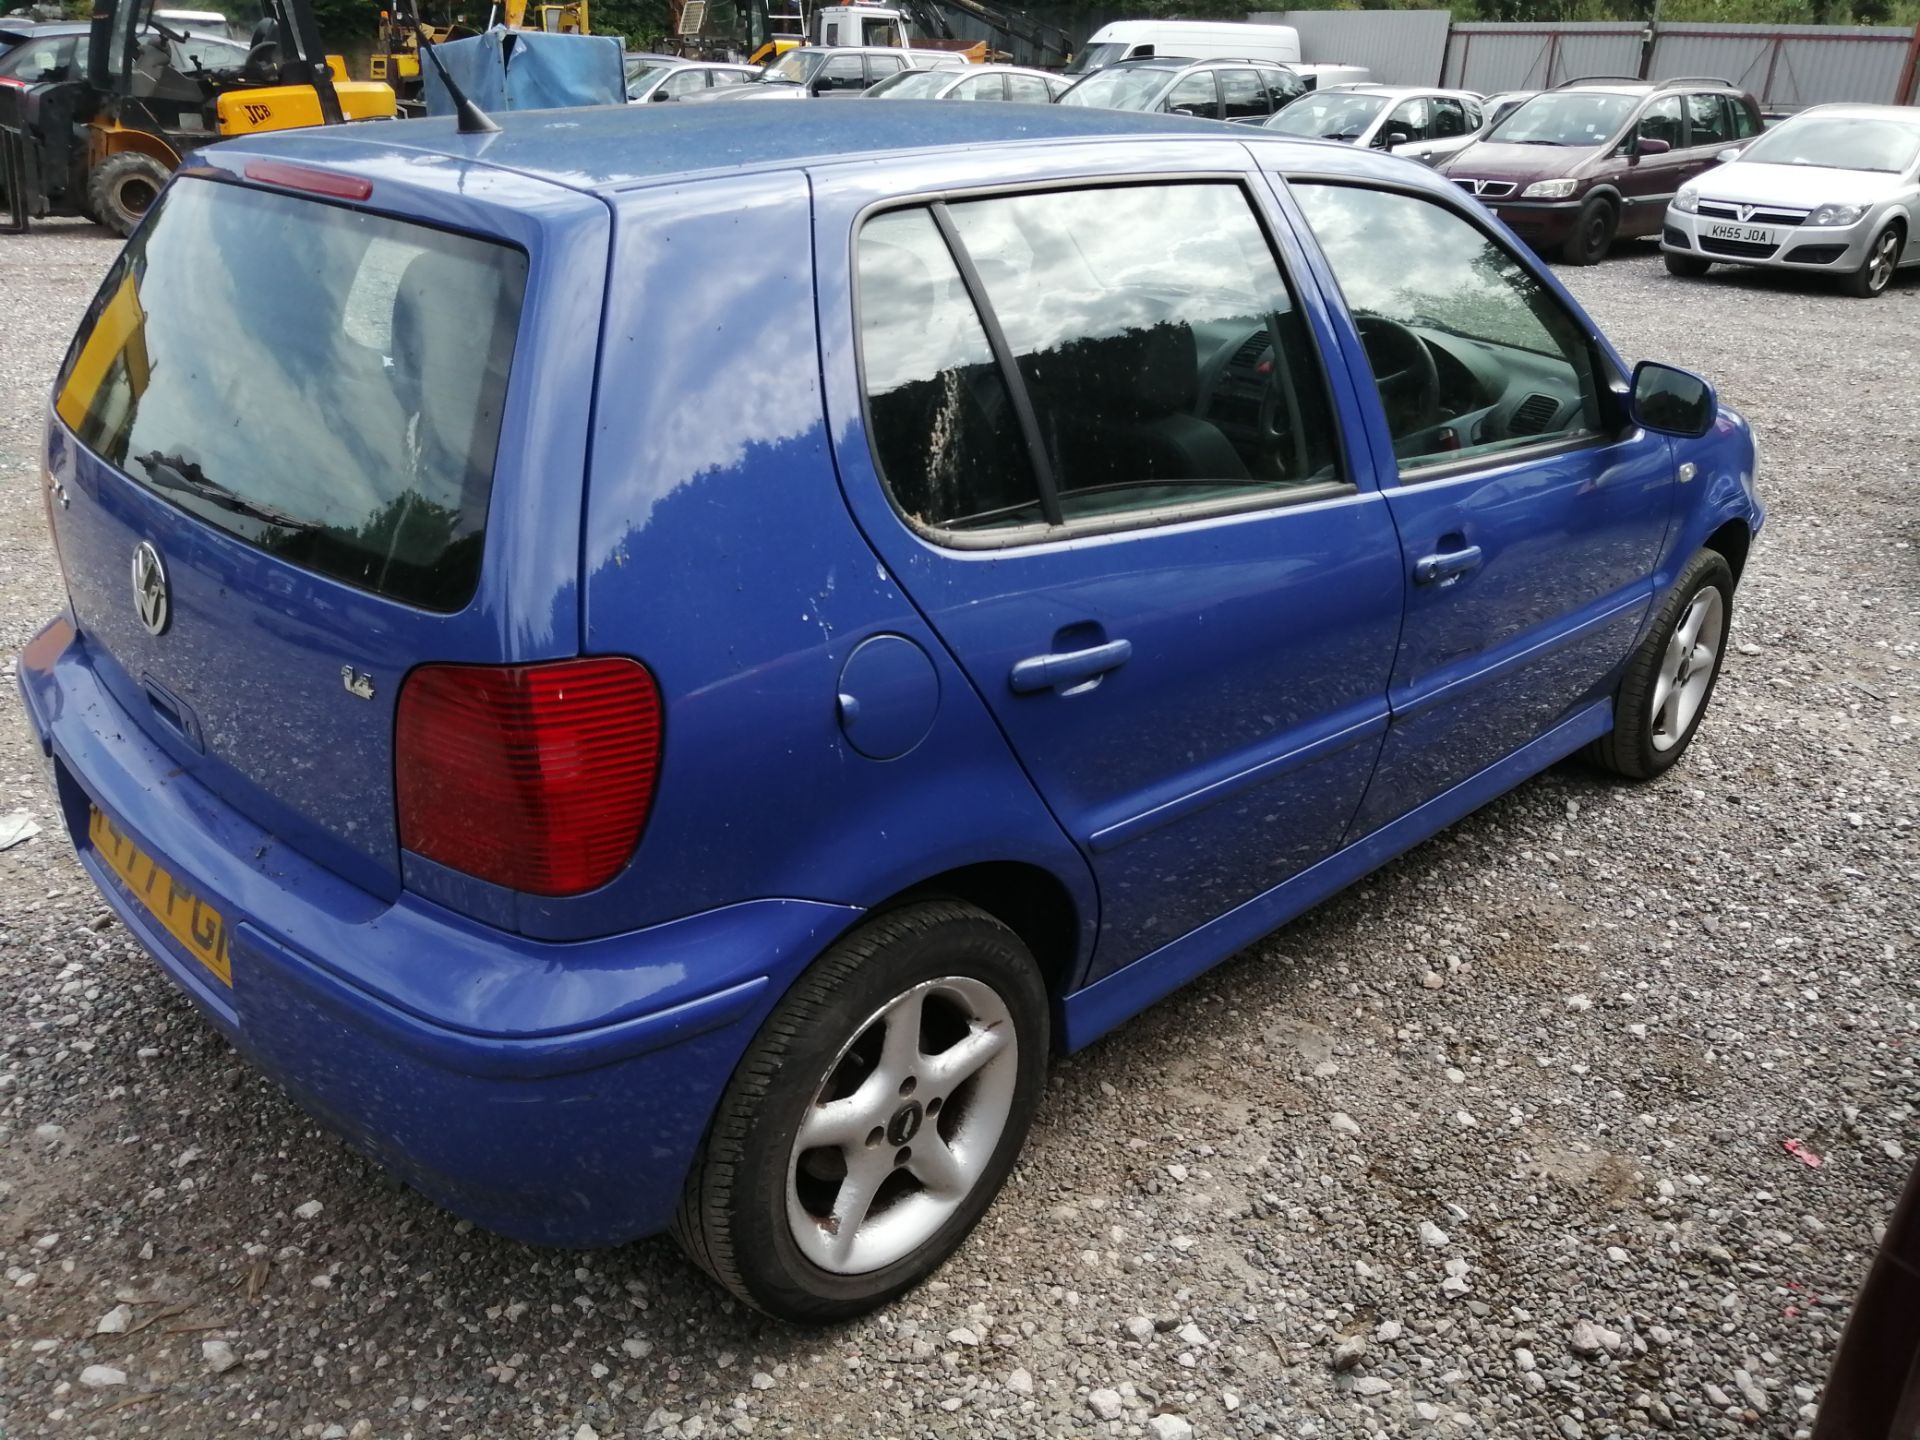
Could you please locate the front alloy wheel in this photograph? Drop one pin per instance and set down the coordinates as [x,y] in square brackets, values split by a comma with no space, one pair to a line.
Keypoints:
[1687,669]
[1876,271]
[1670,678]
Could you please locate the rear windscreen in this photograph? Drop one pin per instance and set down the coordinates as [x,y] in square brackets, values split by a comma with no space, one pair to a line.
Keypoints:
[320,383]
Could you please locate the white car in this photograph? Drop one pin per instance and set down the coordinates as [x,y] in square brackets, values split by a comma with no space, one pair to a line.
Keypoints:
[973,82]
[1835,189]
[1420,124]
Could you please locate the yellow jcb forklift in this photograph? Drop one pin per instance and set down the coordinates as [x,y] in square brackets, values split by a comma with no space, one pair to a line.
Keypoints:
[103,144]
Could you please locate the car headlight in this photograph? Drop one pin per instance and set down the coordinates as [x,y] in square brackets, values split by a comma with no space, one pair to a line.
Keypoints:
[1836,214]
[1688,202]
[1549,190]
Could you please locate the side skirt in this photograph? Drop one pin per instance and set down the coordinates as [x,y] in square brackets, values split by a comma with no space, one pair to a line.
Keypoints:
[1093,1011]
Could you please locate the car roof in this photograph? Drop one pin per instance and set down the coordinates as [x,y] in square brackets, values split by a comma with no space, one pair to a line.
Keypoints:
[1859,110]
[1396,92]
[599,149]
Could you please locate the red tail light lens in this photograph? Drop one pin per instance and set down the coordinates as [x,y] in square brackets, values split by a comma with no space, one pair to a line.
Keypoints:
[535,777]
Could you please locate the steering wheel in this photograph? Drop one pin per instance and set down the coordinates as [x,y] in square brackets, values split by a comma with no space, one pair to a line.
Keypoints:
[1404,370]
[262,65]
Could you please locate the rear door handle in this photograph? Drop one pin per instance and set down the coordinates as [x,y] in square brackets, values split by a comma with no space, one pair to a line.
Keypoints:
[1446,567]
[1068,668]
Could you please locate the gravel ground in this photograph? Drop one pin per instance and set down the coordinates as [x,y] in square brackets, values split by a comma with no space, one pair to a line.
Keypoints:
[1491,1145]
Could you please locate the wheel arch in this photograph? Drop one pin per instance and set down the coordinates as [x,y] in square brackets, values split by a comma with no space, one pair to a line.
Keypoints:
[1733,540]
[1029,900]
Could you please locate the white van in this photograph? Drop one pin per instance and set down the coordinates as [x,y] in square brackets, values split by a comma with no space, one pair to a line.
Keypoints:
[1325,77]
[1188,39]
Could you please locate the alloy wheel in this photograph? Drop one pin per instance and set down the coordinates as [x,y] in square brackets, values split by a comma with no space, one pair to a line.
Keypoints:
[903,1125]
[1880,265]
[1686,671]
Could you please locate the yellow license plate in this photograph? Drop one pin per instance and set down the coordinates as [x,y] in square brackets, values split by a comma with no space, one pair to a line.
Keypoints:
[181,913]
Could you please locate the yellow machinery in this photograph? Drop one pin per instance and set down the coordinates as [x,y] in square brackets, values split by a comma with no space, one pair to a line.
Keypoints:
[104,144]
[396,60]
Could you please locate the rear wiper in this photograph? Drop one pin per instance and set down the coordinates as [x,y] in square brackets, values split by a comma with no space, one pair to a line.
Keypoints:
[174,472]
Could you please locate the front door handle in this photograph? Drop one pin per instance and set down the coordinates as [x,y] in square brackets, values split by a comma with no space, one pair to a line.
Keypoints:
[1446,567]
[1065,669]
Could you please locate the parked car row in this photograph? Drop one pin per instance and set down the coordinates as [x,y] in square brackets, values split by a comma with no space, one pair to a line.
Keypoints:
[1833,190]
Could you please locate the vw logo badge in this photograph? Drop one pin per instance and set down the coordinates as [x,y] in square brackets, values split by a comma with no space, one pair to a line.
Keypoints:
[152,598]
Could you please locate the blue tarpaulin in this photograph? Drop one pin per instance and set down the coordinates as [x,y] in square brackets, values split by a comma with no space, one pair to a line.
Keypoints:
[528,70]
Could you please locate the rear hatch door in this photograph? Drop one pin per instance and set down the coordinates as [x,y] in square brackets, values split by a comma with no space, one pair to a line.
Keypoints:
[298,447]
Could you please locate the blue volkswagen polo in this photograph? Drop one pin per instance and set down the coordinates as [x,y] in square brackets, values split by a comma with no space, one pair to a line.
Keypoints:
[652,669]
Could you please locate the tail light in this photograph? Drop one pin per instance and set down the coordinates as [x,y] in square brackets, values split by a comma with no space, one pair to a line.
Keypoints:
[535,777]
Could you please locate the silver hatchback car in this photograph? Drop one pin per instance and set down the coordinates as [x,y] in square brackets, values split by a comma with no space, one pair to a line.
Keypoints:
[1835,189]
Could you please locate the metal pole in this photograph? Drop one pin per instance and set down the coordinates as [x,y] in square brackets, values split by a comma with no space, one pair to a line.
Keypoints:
[1904,92]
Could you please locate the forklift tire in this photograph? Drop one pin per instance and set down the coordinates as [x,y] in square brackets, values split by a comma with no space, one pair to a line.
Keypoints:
[122,188]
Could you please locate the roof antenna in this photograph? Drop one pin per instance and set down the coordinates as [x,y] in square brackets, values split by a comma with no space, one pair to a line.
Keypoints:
[473,120]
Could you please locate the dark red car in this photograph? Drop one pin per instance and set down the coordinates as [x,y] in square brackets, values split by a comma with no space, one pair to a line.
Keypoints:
[1575,167]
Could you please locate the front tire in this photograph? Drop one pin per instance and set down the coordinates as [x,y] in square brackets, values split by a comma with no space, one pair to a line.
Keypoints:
[1592,235]
[1875,274]
[122,188]
[1685,267]
[874,1117]
[1671,677]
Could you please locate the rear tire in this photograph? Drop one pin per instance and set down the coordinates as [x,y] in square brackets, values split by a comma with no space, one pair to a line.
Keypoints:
[1592,235]
[1876,272]
[122,188]
[1663,695]
[1686,267]
[924,1030]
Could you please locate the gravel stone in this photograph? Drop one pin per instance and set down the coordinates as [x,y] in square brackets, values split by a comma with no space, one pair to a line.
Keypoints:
[1105,1403]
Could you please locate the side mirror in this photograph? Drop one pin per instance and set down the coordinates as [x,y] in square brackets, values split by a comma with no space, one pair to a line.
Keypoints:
[1394,135]
[1672,401]
[1728,155]
[659,95]
[1651,145]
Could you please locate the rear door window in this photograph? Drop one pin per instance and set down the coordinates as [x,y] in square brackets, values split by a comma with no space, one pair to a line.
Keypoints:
[330,392]
[1449,117]
[939,415]
[1149,336]
[1707,120]
[1241,96]
[1028,90]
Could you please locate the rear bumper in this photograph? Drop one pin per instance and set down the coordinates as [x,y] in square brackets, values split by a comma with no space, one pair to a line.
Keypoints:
[553,1092]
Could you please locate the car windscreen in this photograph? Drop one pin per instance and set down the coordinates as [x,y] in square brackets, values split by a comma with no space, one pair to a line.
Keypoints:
[1839,142]
[911,85]
[643,75]
[792,68]
[330,391]
[1330,115]
[1095,57]
[1128,89]
[1565,117]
